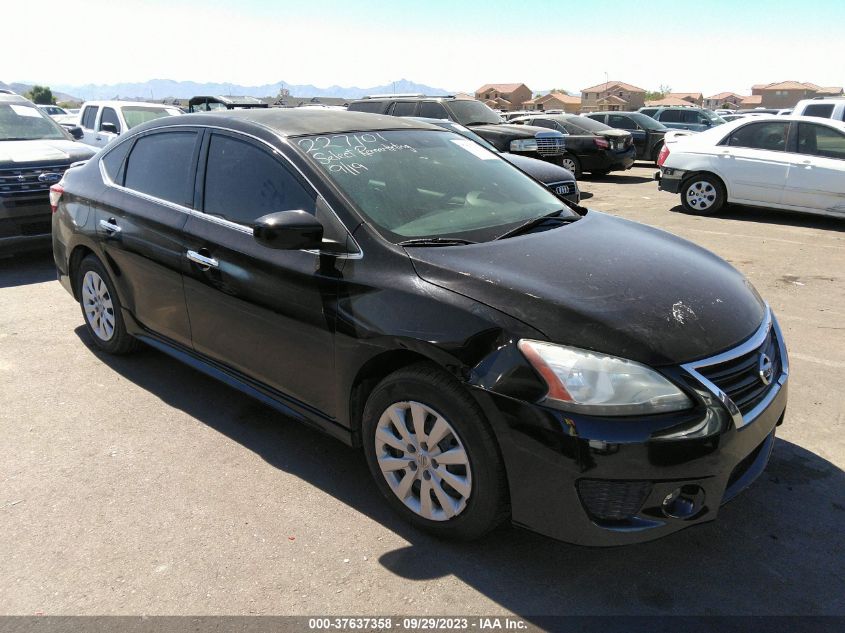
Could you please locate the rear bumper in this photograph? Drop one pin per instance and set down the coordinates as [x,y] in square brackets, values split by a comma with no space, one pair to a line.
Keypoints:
[610,161]
[669,179]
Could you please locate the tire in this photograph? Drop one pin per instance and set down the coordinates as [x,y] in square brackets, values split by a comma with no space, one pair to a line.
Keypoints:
[467,500]
[571,162]
[101,308]
[703,194]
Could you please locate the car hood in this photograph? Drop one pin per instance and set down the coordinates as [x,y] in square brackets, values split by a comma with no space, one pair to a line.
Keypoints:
[542,170]
[508,131]
[606,284]
[41,151]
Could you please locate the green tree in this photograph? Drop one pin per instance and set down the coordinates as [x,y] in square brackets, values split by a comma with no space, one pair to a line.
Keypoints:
[41,95]
[654,95]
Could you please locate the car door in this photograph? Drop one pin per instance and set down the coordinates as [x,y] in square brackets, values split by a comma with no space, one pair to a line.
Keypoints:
[640,136]
[149,192]
[754,162]
[88,123]
[817,173]
[263,312]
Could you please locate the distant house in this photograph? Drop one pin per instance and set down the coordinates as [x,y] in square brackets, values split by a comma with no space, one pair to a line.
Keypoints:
[785,94]
[693,98]
[669,100]
[722,99]
[754,101]
[612,95]
[504,96]
[555,101]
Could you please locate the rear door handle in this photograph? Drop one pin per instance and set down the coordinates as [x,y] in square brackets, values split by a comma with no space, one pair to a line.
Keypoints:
[110,226]
[204,262]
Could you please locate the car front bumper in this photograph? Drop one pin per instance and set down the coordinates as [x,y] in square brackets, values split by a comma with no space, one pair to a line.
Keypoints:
[604,482]
[24,225]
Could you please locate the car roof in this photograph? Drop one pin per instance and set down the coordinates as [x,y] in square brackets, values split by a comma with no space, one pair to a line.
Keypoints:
[13,98]
[720,131]
[296,121]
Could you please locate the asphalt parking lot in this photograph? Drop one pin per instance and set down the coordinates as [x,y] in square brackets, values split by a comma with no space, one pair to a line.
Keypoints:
[135,485]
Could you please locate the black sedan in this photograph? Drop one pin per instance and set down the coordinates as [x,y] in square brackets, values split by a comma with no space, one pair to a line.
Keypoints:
[590,146]
[561,181]
[496,354]
[647,133]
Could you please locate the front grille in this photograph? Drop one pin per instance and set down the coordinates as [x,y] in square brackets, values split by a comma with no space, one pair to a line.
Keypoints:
[566,188]
[613,500]
[740,377]
[24,181]
[550,146]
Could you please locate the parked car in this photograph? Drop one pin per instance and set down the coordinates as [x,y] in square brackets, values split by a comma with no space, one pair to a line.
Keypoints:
[646,132]
[102,121]
[533,142]
[590,146]
[495,354]
[212,104]
[779,162]
[684,118]
[34,153]
[560,181]
[53,111]
[746,115]
[825,108]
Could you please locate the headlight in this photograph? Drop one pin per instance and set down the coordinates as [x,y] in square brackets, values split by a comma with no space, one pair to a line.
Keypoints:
[524,145]
[589,382]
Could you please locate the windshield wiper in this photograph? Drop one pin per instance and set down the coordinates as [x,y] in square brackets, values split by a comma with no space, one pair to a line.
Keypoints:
[436,241]
[535,222]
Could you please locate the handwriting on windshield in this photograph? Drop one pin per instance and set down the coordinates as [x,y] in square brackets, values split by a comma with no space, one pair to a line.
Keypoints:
[344,153]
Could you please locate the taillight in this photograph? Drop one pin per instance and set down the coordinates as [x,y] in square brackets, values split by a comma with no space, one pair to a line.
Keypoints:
[56,192]
[601,143]
[663,155]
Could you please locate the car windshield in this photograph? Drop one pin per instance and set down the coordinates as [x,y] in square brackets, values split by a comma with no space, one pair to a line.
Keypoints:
[135,115]
[471,112]
[714,118]
[24,122]
[646,121]
[414,184]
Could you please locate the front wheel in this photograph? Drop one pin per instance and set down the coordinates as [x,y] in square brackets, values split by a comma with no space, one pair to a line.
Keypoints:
[703,194]
[571,163]
[433,455]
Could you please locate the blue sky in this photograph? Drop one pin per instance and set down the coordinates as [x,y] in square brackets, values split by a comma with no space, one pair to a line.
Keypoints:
[708,46]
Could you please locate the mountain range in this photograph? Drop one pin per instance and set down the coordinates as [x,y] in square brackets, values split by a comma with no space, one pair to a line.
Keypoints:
[158,89]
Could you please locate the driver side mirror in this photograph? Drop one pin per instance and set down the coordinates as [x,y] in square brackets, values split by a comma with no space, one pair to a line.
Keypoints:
[288,230]
[111,128]
[75,131]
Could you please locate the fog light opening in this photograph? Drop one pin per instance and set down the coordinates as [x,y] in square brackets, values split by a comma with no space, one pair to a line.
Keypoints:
[684,502]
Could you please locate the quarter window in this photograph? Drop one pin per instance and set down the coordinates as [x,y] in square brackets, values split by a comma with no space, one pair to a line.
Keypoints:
[110,116]
[113,162]
[823,110]
[433,110]
[671,116]
[244,182]
[161,165]
[768,136]
[404,108]
[820,140]
[367,106]
[89,115]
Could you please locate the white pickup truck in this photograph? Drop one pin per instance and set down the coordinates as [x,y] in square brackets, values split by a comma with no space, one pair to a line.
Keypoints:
[102,121]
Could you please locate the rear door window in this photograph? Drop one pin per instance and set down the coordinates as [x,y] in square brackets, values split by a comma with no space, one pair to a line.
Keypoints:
[404,108]
[244,182]
[162,165]
[823,110]
[769,136]
[621,122]
[820,140]
[671,116]
[433,110]
[89,116]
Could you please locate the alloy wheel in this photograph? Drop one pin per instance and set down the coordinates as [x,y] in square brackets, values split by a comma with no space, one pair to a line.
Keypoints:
[98,306]
[701,195]
[423,460]
[568,163]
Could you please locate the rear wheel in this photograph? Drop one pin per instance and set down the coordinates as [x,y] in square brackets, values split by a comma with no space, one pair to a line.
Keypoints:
[101,308]
[571,163]
[703,194]
[433,455]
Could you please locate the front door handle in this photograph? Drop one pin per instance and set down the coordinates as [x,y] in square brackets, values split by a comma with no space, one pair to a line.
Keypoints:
[109,226]
[204,262]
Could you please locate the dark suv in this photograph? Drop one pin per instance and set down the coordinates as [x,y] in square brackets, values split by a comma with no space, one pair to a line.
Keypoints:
[535,142]
[684,118]
[34,153]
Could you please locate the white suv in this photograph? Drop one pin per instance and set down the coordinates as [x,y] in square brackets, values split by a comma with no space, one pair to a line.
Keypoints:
[101,121]
[826,108]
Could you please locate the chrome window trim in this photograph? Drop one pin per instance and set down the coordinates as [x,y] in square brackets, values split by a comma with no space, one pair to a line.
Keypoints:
[754,342]
[212,218]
